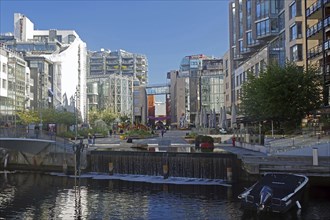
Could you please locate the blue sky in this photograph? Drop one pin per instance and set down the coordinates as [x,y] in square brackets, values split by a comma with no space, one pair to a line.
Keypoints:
[164,30]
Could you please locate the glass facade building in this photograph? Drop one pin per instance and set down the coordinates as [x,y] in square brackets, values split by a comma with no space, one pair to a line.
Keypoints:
[263,32]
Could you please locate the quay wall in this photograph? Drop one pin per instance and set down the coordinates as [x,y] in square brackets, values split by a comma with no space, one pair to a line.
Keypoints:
[176,164]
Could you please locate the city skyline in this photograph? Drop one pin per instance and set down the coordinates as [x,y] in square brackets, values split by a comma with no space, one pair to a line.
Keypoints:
[164,31]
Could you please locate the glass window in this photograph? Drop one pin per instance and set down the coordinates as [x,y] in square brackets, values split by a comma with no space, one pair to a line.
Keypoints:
[296,52]
[249,38]
[293,10]
[296,31]
[4,68]
[281,21]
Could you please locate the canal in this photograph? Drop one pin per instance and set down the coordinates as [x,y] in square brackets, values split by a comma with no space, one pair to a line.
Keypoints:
[25,195]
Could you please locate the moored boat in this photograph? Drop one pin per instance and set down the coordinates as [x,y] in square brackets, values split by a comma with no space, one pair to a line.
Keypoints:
[275,192]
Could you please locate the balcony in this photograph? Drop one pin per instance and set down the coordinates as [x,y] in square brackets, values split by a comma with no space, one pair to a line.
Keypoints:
[314,31]
[313,11]
[317,50]
[238,57]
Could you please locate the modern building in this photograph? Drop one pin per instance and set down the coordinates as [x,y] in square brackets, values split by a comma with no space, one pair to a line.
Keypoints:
[128,68]
[318,40]
[177,96]
[14,85]
[203,87]
[65,50]
[262,32]
[41,74]
[112,92]
[122,63]
[140,102]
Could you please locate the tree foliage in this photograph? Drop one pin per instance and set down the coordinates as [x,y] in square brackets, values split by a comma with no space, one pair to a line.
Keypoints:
[28,117]
[283,94]
[105,115]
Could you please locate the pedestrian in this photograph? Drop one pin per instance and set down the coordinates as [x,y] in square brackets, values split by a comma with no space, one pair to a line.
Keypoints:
[36,131]
[233,140]
[163,131]
[110,132]
[89,138]
[94,136]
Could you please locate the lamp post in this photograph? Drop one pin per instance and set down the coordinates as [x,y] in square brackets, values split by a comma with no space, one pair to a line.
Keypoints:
[76,114]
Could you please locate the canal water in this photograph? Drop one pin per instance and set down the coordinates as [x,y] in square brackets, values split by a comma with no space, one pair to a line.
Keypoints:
[54,196]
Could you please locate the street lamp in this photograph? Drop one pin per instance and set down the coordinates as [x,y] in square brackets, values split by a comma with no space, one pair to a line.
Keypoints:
[76,113]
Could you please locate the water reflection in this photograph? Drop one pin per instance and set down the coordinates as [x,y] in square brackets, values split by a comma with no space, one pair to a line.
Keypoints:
[39,196]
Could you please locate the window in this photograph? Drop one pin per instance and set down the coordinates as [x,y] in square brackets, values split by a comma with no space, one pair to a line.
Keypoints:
[4,68]
[293,10]
[296,52]
[249,38]
[295,31]
[263,28]
[4,83]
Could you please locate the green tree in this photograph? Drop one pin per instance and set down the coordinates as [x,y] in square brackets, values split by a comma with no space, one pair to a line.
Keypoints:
[108,116]
[93,115]
[281,94]
[28,117]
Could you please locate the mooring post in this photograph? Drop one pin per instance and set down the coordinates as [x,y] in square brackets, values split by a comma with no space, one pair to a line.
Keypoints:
[110,168]
[315,157]
[229,174]
[65,167]
[165,171]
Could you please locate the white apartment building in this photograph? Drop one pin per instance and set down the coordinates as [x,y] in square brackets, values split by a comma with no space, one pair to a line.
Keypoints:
[68,54]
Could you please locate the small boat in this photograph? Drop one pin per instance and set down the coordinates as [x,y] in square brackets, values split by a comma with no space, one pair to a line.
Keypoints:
[275,192]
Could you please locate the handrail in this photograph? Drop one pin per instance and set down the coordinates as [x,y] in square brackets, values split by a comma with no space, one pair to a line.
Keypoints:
[317,27]
[317,50]
[314,7]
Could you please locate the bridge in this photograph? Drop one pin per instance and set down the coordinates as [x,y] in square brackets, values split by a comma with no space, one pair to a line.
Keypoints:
[158,89]
[23,149]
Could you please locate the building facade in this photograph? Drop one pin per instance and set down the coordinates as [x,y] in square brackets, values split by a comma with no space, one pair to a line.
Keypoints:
[14,85]
[122,63]
[65,50]
[111,92]
[204,89]
[263,32]
[318,43]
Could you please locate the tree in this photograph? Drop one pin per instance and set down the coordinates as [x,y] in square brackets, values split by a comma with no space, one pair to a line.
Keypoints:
[108,116]
[282,94]
[28,117]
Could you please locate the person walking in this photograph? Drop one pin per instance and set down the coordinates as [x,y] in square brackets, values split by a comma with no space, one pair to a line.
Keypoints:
[163,131]
[94,136]
[36,131]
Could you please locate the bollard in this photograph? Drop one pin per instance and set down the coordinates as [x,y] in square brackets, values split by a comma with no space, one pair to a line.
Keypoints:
[65,167]
[229,174]
[315,157]
[110,168]
[165,171]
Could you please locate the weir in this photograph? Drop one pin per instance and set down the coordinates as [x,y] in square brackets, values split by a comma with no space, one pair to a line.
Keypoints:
[191,165]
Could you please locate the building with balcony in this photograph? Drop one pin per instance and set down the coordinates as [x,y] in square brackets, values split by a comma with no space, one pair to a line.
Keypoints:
[111,92]
[318,40]
[263,32]
[65,50]
[122,63]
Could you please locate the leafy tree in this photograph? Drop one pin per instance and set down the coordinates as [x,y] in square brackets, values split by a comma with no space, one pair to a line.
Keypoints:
[61,117]
[93,115]
[108,116]
[282,94]
[28,117]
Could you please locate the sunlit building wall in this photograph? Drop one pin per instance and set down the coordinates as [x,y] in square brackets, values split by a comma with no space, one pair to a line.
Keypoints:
[14,84]
[263,32]
[67,52]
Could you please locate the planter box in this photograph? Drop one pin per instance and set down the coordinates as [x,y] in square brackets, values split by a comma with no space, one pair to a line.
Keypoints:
[207,147]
